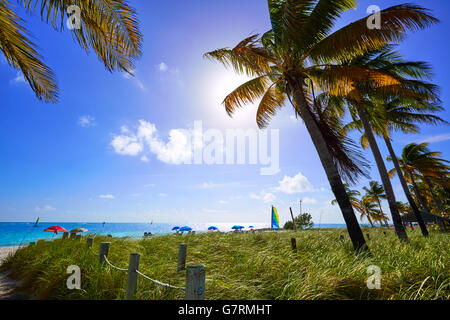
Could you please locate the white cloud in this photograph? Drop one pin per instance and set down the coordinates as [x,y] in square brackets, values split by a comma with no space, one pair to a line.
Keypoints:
[269,197]
[296,184]
[223,202]
[106,196]
[163,67]
[19,78]
[177,150]
[436,138]
[86,121]
[309,201]
[162,195]
[45,208]
[135,79]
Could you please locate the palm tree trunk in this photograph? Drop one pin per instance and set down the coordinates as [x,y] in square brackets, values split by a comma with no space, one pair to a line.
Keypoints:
[353,227]
[399,227]
[411,201]
[430,187]
[422,201]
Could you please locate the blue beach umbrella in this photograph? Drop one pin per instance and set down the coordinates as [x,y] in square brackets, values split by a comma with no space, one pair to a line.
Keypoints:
[237,227]
[186,228]
[175,228]
[212,228]
[251,227]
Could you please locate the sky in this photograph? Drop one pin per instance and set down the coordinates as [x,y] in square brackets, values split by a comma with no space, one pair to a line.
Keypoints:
[114,148]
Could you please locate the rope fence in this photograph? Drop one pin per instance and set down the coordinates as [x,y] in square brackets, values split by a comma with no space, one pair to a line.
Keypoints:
[195,275]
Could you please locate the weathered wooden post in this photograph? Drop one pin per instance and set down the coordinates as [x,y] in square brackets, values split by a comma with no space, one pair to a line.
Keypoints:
[182,257]
[65,235]
[89,242]
[132,280]
[78,237]
[103,251]
[195,283]
[72,235]
[293,220]
[294,244]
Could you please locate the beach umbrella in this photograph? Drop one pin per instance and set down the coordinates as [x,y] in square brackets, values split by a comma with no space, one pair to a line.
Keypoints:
[175,228]
[186,228]
[237,227]
[212,228]
[78,230]
[251,227]
[55,229]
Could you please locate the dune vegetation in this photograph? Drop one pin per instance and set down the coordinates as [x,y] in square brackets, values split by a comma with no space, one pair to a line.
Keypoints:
[246,266]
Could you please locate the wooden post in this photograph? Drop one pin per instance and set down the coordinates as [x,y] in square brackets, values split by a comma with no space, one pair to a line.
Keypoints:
[341,237]
[384,232]
[182,257]
[368,236]
[89,242]
[72,236]
[195,283]
[132,280]
[65,235]
[78,237]
[293,220]
[103,251]
[294,244]
[40,241]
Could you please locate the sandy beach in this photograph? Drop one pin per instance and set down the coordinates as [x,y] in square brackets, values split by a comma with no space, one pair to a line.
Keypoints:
[6,284]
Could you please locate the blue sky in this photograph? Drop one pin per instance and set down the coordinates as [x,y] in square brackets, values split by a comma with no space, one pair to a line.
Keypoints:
[59,162]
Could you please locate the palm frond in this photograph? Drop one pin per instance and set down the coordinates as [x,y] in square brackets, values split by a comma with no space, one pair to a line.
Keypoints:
[271,102]
[356,38]
[20,53]
[246,93]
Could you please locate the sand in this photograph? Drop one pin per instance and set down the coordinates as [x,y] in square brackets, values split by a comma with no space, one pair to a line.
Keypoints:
[6,284]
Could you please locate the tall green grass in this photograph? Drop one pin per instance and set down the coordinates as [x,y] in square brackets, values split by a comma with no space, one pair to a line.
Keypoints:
[245,266]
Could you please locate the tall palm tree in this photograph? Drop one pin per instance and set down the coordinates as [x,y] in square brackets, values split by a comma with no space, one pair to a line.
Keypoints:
[109,27]
[396,107]
[300,56]
[419,160]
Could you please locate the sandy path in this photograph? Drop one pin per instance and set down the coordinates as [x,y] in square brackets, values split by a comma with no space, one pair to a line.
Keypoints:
[6,284]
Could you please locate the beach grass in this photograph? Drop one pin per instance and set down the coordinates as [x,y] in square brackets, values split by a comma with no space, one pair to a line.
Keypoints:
[245,266]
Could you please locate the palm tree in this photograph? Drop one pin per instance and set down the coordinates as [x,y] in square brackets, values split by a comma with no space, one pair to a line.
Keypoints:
[376,193]
[110,28]
[418,160]
[299,56]
[396,107]
[367,207]
[352,196]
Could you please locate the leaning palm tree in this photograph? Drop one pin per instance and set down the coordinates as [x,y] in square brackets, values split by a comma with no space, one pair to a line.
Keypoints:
[399,113]
[110,28]
[418,160]
[385,109]
[300,56]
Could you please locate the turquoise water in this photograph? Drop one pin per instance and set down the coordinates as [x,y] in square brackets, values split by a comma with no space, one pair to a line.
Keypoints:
[16,233]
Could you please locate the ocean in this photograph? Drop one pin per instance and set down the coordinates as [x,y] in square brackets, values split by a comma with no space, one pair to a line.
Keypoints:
[16,233]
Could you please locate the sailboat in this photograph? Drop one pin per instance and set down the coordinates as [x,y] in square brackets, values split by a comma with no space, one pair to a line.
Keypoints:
[36,223]
[275,219]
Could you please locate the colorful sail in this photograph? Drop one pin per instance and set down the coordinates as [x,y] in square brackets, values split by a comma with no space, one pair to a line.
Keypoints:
[275,219]
[36,223]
